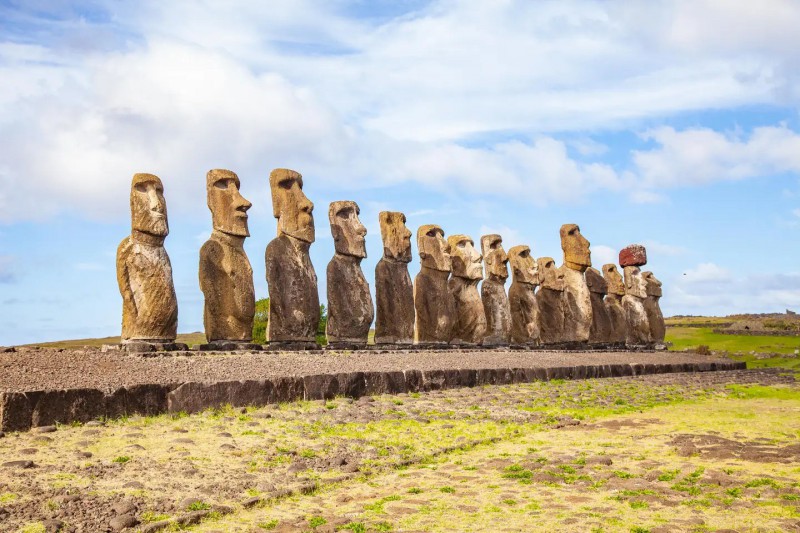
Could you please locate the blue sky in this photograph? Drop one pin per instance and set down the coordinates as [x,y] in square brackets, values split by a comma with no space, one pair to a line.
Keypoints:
[670,123]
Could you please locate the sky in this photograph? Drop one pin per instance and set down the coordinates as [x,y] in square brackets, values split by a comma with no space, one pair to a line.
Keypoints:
[673,124]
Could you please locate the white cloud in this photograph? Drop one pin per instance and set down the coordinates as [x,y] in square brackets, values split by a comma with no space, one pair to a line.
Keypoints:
[602,254]
[706,273]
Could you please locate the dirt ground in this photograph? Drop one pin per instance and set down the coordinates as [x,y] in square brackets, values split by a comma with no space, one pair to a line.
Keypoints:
[706,452]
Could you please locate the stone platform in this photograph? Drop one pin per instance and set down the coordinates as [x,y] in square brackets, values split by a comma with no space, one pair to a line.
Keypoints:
[41,387]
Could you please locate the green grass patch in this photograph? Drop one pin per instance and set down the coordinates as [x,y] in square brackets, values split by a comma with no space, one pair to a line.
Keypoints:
[686,338]
[762,392]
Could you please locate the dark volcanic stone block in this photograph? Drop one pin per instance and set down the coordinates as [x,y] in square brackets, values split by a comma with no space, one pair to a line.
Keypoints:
[148,399]
[15,411]
[468,377]
[320,387]
[193,397]
[432,380]
[287,389]
[64,406]
[352,384]
[413,380]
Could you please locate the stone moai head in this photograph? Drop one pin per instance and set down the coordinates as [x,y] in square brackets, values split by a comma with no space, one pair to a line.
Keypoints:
[652,285]
[576,248]
[550,276]
[465,258]
[595,281]
[523,266]
[434,252]
[613,279]
[148,207]
[290,206]
[396,236]
[494,256]
[635,284]
[347,230]
[228,207]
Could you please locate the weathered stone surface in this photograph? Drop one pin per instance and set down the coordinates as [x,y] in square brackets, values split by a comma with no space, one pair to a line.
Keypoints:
[63,406]
[638,326]
[522,296]
[470,326]
[600,332]
[613,303]
[144,273]
[194,397]
[655,318]
[350,310]
[16,410]
[550,301]
[226,276]
[577,302]
[434,305]
[493,292]
[394,292]
[147,400]
[633,255]
[294,301]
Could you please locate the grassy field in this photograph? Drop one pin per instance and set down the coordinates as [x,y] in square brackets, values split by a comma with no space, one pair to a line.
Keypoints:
[688,337]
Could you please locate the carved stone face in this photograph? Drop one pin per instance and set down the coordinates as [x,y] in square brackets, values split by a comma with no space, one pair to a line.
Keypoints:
[228,207]
[635,284]
[523,265]
[290,206]
[550,276]
[576,248]
[613,280]
[148,207]
[396,236]
[653,286]
[434,252]
[494,256]
[348,231]
[595,281]
[465,258]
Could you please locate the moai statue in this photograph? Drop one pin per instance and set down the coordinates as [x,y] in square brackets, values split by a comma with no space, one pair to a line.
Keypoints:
[470,325]
[613,303]
[600,332]
[493,292]
[550,301]
[651,306]
[630,259]
[350,310]
[435,307]
[521,296]
[226,277]
[293,299]
[144,273]
[577,299]
[394,293]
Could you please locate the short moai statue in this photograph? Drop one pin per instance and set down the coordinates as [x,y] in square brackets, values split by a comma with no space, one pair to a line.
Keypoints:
[226,277]
[144,273]
[493,292]
[394,292]
[550,301]
[294,310]
[434,305]
[630,259]
[577,299]
[470,324]
[522,297]
[600,332]
[655,317]
[613,304]
[350,310]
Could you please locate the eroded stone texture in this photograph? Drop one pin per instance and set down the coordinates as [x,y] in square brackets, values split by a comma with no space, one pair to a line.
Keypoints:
[633,255]
[144,272]
[638,332]
[435,307]
[226,276]
[550,301]
[577,300]
[350,310]
[470,324]
[600,332]
[613,303]
[493,292]
[394,293]
[522,296]
[291,280]
[655,318]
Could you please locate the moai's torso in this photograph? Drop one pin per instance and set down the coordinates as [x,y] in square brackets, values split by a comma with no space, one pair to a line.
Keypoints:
[350,310]
[394,295]
[524,319]
[550,304]
[498,312]
[435,308]
[600,331]
[577,307]
[616,315]
[470,323]
[655,318]
[638,332]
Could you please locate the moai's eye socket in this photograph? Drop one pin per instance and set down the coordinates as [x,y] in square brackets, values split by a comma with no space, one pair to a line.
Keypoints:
[221,184]
[286,184]
[345,213]
[431,233]
[140,187]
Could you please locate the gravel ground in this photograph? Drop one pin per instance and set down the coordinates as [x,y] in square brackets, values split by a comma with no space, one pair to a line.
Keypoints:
[40,368]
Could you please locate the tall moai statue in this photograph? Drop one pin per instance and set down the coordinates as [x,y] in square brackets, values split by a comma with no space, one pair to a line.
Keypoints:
[655,318]
[293,299]
[630,259]
[470,325]
[613,303]
[493,292]
[350,310]
[522,297]
[577,299]
[550,301]
[144,273]
[226,277]
[435,307]
[394,293]
[600,332]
